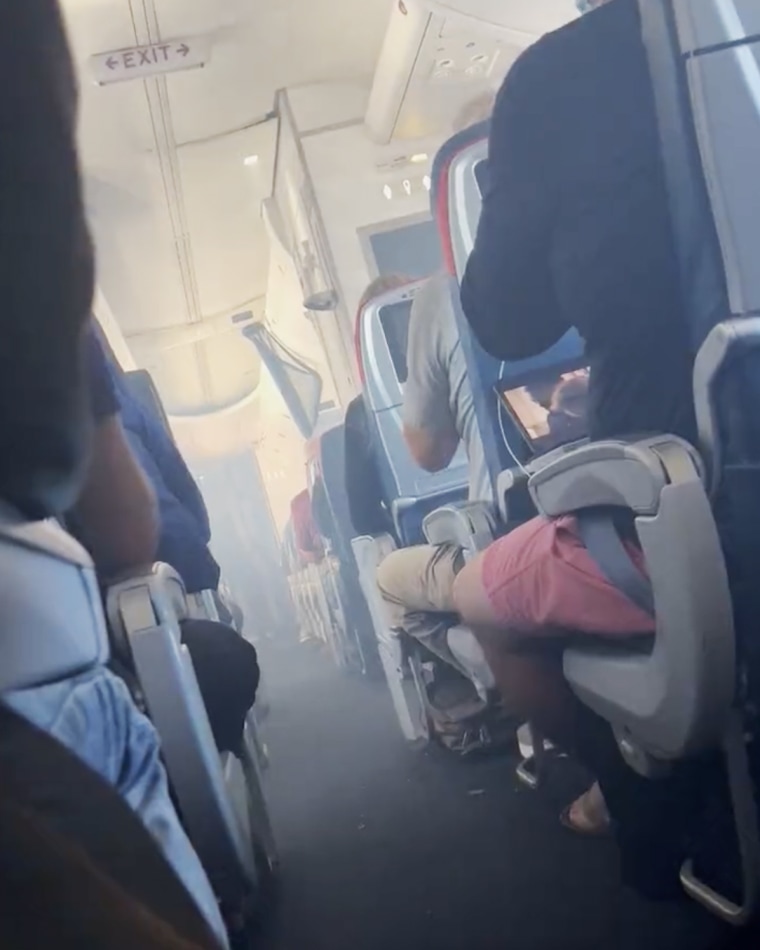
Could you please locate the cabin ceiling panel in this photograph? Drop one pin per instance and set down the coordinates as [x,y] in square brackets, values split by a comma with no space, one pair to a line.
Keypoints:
[224,182]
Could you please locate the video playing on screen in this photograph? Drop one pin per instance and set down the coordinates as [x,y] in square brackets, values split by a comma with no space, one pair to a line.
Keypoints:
[551,408]
[394,319]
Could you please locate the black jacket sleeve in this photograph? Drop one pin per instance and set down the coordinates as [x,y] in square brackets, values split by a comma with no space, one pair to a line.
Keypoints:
[46,266]
[507,293]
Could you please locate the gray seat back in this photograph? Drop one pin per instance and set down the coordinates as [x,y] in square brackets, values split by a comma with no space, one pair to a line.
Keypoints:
[52,620]
[144,611]
[406,697]
[674,700]
[459,173]
[382,330]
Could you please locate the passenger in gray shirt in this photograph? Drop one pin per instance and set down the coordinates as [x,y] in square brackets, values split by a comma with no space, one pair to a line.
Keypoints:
[416,583]
[439,411]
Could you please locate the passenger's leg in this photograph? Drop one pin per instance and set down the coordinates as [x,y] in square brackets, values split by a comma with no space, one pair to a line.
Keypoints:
[227,670]
[588,814]
[417,586]
[523,592]
[94,716]
[530,584]
[531,685]
[71,845]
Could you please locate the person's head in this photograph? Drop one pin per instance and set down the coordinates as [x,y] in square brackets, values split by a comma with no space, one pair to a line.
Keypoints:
[477,110]
[382,285]
[586,6]
[542,392]
[571,396]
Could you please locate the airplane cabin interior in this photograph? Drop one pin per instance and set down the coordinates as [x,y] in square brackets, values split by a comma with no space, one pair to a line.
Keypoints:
[274,192]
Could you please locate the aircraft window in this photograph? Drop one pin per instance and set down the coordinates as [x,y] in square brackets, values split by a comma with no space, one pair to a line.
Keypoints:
[394,319]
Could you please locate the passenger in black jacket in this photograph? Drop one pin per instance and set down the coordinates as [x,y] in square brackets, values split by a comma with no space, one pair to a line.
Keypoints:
[575,232]
[575,229]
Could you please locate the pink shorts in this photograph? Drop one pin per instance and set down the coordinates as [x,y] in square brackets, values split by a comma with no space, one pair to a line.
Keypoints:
[540,579]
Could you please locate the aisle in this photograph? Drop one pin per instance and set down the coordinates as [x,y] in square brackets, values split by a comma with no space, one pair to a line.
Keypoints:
[383,848]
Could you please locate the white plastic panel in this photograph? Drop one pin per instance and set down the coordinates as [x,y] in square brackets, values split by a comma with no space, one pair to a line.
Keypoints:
[724,84]
[469,653]
[146,609]
[705,23]
[407,702]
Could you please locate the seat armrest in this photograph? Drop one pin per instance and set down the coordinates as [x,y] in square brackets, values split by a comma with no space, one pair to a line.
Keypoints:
[202,605]
[673,701]
[145,608]
[471,525]
[618,473]
[144,598]
[513,499]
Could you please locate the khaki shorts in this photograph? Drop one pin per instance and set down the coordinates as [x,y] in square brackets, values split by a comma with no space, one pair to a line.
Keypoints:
[417,586]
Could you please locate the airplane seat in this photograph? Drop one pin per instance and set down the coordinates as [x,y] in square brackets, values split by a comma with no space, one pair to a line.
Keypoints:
[409,514]
[203,605]
[646,477]
[458,177]
[705,65]
[471,526]
[47,640]
[408,705]
[695,511]
[410,492]
[41,643]
[219,796]
[335,620]
[363,646]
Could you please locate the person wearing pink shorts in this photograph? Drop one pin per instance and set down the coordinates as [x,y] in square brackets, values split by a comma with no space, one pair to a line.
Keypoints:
[527,593]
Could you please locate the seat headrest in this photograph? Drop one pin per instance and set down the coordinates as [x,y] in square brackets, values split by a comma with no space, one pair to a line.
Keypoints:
[51,620]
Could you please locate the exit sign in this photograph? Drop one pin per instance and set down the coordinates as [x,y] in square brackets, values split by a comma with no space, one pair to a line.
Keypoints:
[142,62]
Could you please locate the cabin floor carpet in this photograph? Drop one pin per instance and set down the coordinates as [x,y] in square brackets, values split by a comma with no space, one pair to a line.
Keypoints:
[386,848]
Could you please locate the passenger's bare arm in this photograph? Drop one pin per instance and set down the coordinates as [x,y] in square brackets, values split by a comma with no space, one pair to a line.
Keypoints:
[116,515]
[430,430]
[431,450]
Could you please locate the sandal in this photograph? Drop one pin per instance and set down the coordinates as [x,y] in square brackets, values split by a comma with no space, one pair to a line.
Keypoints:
[588,826]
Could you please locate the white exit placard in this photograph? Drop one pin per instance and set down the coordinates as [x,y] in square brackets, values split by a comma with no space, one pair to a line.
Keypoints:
[142,62]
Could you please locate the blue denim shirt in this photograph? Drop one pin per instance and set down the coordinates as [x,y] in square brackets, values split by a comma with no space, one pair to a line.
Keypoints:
[185,531]
[94,716]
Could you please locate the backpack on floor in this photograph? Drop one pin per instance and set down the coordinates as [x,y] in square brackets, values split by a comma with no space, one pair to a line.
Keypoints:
[460,720]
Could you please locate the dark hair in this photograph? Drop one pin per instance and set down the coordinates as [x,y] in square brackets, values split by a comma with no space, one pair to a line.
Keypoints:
[542,392]
[571,393]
